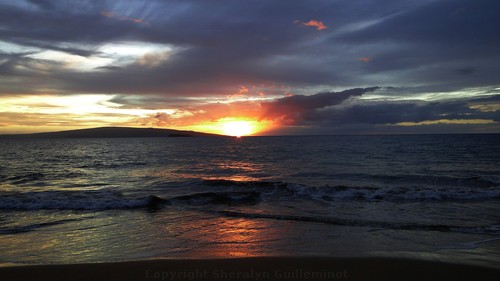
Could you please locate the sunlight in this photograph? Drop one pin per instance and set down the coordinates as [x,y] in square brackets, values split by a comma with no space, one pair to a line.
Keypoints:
[70,61]
[238,128]
[231,126]
[117,54]
[82,104]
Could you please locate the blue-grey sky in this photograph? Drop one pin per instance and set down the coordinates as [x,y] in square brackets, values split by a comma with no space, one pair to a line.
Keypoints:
[284,67]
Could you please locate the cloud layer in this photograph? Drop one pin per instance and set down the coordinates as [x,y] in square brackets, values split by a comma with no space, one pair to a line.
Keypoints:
[427,56]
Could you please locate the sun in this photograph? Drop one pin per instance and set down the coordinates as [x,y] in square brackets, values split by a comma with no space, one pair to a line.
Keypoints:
[233,126]
[238,128]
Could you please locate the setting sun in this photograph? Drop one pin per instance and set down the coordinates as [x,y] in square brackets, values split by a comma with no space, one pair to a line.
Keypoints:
[232,126]
[238,128]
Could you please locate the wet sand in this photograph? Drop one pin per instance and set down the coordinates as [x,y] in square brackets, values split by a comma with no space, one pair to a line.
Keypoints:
[260,268]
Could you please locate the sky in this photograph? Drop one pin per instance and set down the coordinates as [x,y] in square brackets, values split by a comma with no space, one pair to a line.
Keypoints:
[251,67]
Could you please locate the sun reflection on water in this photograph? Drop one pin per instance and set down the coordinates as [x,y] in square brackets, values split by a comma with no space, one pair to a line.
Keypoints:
[238,237]
[220,170]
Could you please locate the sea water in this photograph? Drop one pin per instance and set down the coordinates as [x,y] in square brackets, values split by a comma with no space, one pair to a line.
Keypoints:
[114,199]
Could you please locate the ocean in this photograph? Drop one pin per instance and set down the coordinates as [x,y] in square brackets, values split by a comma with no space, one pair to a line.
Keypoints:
[433,197]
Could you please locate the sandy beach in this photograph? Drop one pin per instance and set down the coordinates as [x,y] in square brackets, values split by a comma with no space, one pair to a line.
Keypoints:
[261,268]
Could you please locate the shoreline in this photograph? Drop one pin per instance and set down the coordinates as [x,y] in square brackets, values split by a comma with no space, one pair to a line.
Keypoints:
[255,268]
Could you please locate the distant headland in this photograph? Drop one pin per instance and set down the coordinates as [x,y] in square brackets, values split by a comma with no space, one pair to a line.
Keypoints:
[114,132]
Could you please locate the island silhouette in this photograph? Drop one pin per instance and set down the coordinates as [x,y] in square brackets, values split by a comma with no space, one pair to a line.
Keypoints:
[114,132]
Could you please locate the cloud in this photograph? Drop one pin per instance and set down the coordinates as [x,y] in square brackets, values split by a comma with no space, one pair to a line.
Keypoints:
[222,48]
[294,109]
[426,49]
[153,59]
[22,122]
[211,39]
[432,43]
[395,117]
[200,115]
[43,4]
[107,14]
[407,113]
[112,15]
[447,121]
[314,23]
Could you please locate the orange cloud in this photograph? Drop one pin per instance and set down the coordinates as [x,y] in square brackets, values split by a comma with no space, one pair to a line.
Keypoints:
[211,118]
[107,14]
[365,59]
[112,15]
[242,91]
[318,24]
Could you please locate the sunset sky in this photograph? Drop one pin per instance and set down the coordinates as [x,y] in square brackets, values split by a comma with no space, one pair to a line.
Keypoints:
[262,67]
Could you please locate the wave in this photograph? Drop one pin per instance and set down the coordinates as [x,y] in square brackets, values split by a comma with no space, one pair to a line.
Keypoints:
[111,165]
[110,199]
[256,183]
[236,193]
[438,180]
[489,229]
[419,192]
[32,227]
[414,193]
[228,198]
[27,178]
[106,199]
[73,200]
[24,178]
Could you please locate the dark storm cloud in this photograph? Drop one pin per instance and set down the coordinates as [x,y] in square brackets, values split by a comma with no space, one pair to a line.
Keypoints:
[490,99]
[296,109]
[390,117]
[393,113]
[385,117]
[467,23]
[465,71]
[43,4]
[8,62]
[434,41]
[224,45]
[317,109]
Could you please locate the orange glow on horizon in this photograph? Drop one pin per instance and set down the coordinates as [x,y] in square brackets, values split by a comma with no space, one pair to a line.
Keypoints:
[232,126]
[30,114]
[238,128]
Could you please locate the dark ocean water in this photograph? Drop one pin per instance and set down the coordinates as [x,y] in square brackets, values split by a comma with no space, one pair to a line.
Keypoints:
[93,200]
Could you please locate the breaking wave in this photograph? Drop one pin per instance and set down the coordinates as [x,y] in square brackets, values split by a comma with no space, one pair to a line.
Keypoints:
[109,199]
[31,227]
[413,193]
[489,229]
[240,192]
[489,189]
[72,200]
